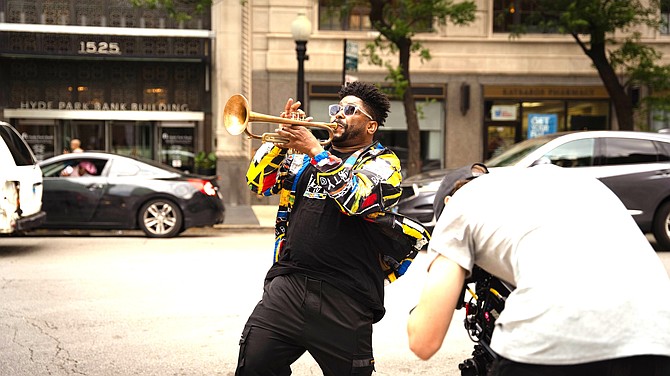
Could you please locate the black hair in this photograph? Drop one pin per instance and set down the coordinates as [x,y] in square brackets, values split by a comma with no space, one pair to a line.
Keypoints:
[375,100]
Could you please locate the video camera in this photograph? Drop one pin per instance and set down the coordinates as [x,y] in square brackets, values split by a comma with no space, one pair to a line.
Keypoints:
[486,302]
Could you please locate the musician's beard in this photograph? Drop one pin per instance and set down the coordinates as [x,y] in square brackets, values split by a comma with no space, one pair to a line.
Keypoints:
[349,135]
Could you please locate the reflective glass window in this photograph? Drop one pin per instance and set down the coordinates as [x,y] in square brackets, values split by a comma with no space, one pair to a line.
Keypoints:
[578,153]
[620,151]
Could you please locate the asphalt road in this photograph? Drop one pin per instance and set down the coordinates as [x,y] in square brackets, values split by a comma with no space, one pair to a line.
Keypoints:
[120,304]
[117,303]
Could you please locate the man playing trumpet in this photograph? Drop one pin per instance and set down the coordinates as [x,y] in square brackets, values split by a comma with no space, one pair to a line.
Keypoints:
[336,241]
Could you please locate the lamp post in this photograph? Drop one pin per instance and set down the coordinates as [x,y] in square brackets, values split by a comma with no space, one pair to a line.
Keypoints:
[301,28]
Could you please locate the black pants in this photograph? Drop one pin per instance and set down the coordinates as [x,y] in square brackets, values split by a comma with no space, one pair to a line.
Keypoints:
[299,314]
[644,365]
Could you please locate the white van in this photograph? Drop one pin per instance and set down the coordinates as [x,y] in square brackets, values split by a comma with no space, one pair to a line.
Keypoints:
[20,184]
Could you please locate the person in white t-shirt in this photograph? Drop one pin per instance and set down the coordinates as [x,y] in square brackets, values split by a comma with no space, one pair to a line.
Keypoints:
[591,297]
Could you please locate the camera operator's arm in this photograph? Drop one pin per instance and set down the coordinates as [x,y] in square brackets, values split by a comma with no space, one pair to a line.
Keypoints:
[429,321]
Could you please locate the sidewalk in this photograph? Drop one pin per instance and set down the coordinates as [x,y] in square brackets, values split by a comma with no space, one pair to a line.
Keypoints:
[249,216]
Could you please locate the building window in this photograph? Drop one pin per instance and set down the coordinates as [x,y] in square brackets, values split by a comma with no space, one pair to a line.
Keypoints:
[510,15]
[660,119]
[100,13]
[357,17]
[394,132]
[665,17]
[333,17]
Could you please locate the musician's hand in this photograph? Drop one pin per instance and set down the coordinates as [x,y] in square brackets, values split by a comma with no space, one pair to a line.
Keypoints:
[299,138]
[292,110]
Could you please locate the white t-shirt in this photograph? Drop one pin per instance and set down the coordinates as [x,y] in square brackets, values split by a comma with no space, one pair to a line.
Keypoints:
[589,286]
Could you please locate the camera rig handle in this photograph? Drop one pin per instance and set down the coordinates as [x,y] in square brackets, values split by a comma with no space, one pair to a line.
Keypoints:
[486,303]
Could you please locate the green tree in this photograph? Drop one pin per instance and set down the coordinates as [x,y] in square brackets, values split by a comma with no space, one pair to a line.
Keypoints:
[178,9]
[607,31]
[398,22]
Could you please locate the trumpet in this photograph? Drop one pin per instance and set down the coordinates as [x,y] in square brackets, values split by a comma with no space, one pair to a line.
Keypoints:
[237,116]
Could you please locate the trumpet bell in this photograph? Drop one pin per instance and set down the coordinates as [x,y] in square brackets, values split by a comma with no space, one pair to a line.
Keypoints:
[236,115]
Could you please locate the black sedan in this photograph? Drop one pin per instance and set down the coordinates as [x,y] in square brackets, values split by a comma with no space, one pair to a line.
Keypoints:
[107,191]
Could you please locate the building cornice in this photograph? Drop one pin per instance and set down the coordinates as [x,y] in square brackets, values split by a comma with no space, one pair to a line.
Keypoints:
[99,30]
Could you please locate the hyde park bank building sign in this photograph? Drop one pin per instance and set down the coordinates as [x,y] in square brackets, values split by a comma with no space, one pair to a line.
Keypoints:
[104,111]
[97,106]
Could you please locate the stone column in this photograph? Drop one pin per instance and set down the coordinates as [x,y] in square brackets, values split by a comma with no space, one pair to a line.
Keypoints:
[231,74]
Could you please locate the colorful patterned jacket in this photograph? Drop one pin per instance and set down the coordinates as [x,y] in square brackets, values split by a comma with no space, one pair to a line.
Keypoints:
[366,184]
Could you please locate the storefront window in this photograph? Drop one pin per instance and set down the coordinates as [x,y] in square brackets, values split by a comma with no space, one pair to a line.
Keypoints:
[591,115]
[542,110]
[394,131]
[499,139]
[90,133]
[41,139]
[177,147]
[132,138]
[510,121]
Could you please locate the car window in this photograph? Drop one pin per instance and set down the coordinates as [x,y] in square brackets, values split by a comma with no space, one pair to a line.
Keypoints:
[131,167]
[17,147]
[517,152]
[664,151]
[124,167]
[66,167]
[620,151]
[577,153]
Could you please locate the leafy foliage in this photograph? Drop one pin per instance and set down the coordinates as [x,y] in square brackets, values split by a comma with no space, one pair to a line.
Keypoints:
[205,160]
[607,31]
[173,7]
[398,22]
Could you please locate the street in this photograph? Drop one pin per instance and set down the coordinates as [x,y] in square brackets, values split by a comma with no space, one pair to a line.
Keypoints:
[129,305]
[107,304]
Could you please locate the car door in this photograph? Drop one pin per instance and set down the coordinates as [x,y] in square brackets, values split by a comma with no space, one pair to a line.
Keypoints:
[126,188]
[72,200]
[638,172]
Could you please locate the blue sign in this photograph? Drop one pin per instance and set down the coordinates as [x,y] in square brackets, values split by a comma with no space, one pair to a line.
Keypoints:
[540,124]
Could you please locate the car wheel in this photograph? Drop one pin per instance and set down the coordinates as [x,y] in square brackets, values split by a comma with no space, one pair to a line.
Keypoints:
[661,227]
[160,219]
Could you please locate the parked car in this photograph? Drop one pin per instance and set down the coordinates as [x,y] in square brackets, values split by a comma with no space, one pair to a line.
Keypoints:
[93,190]
[634,165]
[20,184]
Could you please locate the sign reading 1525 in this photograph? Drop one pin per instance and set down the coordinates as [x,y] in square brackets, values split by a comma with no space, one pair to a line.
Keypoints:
[99,48]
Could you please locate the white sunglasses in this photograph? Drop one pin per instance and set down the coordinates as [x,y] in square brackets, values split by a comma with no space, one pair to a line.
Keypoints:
[349,109]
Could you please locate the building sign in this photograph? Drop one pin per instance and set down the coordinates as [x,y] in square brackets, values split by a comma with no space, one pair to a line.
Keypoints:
[504,112]
[41,139]
[104,106]
[541,124]
[176,47]
[99,48]
[545,92]
[177,147]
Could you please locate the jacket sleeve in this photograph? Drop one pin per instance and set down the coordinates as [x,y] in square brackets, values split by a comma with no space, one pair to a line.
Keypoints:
[264,176]
[371,183]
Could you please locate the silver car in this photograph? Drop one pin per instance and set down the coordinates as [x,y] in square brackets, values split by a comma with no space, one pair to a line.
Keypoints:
[634,165]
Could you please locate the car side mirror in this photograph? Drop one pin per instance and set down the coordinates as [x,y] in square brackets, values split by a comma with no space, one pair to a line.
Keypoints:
[541,161]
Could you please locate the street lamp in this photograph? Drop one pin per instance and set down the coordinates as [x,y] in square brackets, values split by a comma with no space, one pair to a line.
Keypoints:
[301,28]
